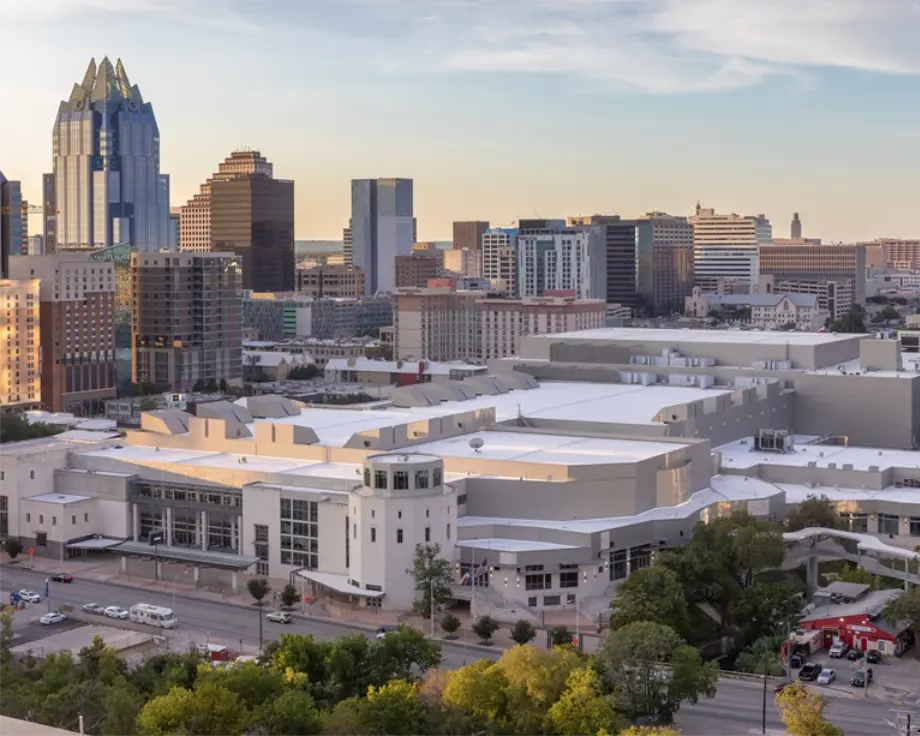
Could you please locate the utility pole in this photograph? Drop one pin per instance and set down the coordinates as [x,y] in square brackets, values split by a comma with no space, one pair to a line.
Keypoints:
[431,606]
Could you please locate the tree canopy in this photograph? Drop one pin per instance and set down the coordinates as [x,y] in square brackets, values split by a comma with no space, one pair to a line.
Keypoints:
[813,511]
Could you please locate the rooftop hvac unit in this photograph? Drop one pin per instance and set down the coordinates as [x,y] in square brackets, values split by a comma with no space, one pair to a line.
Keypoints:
[774,440]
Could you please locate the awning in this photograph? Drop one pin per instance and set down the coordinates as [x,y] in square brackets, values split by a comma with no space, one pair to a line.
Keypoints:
[188,555]
[338,583]
[96,543]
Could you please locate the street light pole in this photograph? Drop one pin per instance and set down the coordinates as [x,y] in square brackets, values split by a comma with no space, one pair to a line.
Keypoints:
[432,608]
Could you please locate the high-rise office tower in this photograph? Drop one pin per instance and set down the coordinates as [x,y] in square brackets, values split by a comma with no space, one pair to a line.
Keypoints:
[188,319]
[621,262]
[500,258]
[725,248]
[108,186]
[195,215]
[468,234]
[795,229]
[382,227]
[664,262]
[13,231]
[20,369]
[174,220]
[77,295]
[49,214]
[252,215]
[553,257]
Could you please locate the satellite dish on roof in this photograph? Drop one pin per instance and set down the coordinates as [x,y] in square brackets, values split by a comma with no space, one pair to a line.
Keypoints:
[476,443]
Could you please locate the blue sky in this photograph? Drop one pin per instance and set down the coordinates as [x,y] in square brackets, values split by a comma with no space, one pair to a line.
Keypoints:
[501,110]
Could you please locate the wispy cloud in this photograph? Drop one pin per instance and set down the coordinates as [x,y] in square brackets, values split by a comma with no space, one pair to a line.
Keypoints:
[665,45]
[222,15]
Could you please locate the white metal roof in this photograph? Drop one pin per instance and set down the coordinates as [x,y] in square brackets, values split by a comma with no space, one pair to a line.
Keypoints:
[643,335]
[512,545]
[741,455]
[59,498]
[410,367]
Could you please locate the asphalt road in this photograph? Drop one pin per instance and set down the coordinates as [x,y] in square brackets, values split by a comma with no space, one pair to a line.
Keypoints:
[737,710]
[211,621]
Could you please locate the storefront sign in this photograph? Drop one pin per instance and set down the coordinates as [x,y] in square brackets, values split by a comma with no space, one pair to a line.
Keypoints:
[861,629]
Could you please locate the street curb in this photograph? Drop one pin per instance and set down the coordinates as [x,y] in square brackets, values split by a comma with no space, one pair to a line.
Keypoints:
[458,645]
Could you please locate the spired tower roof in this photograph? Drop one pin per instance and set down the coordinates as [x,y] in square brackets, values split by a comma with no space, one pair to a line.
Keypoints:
[105,83]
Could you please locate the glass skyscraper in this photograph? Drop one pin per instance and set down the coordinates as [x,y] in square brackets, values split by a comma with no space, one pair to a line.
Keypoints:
[107,181]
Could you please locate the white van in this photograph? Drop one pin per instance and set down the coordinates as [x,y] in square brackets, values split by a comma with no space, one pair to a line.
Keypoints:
[144,613]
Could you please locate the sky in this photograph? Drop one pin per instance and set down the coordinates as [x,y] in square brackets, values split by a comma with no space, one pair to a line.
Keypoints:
[501,110]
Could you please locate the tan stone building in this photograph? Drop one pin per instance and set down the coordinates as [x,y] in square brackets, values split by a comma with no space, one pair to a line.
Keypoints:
[187,321]
[417,269]
[437,323]
[336,282]
[468,234]
[19,343]
[77,295]
[506,321]
[892,253]
[465,262]
[826,262]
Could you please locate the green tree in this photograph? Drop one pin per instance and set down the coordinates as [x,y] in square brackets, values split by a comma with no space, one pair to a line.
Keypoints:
[450,624]
[583,708]
[484,627]
[223,385]
[253,684]
[853,321]
[15,427]
[393,709]
[13,548]
[208,710]
[762,607]
[649,731]
[258,588]
[293,713]
[478,690]
[523,632]
[906,607]
[433,576]
[148,403]
[303,372]
[631,663]
[344,719]
[402,653]
[859,575]
[560,636]
[803,712]
[813,511]
[650,594]
[380,351]
[761,657]
[289,595]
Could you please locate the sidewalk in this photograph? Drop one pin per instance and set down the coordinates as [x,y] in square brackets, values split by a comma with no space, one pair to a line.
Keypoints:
[108,572]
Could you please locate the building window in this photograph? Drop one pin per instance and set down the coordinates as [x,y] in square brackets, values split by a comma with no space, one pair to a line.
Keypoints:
[401,480]
[619,567]
[568,579]
[399,536]
[367,477]
[427,533]
[53,521]
[185,528]
[888,524]
[73,520]
[538,581]
[300,533]
[220,534]
[551,600]
[461,499]
[915,526]
[86,517]
[436,477]
[448,531]
[380,479]
[373,534]
[32,474]
[421,478]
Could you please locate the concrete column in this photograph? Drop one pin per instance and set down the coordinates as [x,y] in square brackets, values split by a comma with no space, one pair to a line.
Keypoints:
[135,522]
[124,564]
[235,581]
[169,527]
[811,577]
[196,575]
[159,574]
[906,574]
[204,530]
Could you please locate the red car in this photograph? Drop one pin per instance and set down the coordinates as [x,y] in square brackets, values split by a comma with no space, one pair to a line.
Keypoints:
[62,577]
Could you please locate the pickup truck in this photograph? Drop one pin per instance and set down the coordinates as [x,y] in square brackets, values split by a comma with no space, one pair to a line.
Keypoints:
[810,672]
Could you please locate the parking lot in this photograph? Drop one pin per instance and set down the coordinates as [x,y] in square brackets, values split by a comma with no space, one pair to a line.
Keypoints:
[893,677]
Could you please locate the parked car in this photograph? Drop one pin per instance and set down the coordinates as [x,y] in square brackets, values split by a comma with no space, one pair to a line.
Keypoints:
[873,656]
[861,677]
[854,654]
[52,618]
[781,686]
[279,617]
[116,612]
[810,672]
[382,632]
[62,577]
[30,596]
[838,651]
[827,676]
[94,608]
[796,661]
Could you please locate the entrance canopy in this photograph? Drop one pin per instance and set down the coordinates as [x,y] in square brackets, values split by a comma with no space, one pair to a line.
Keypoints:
[100,543]
[188,555]
[864,542]
[338,583]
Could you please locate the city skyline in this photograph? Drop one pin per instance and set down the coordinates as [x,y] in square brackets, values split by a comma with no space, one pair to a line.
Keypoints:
[631,107]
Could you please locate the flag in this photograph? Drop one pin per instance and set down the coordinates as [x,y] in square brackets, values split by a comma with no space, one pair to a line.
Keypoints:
[481,570]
